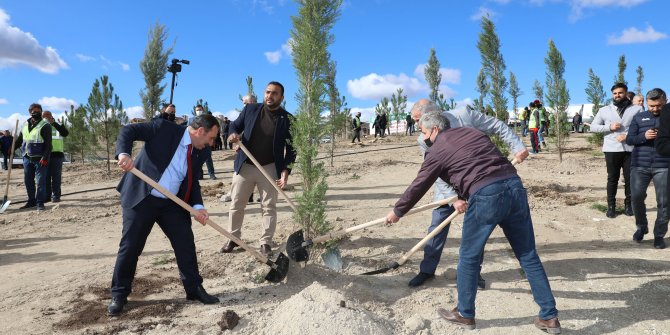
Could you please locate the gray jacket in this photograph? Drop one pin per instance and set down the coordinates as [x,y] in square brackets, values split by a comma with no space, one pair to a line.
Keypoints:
[608,115]
[482,122]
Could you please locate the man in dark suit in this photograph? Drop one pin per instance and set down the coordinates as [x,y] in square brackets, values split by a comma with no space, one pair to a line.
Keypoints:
[170,156]
[264,130]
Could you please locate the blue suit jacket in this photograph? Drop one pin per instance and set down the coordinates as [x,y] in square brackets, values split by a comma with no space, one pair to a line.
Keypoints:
[161,139]
[283,151]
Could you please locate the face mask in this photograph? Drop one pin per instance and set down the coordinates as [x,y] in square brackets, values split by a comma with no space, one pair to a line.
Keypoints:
[36,115]
[198,112]
[427,140]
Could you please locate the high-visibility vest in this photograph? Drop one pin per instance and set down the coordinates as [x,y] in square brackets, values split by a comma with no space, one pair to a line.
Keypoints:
[57,143]
[532,120]
[541,112]
[33,143]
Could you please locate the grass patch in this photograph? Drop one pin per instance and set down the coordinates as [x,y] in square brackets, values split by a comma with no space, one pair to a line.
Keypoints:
[355,177]
[161,260]
[603,208]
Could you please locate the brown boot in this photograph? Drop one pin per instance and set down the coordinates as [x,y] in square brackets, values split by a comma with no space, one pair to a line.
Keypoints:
[454,316]
[551,326]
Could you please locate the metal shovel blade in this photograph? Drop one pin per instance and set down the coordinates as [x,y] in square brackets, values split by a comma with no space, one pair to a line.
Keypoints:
[5,205]
[332,259]
[278,274]
[391,266]
[294,248]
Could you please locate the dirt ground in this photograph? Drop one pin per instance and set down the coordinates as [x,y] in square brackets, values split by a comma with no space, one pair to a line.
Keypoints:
[56,266]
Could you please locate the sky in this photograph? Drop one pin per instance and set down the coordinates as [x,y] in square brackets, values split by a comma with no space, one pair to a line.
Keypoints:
[51,52]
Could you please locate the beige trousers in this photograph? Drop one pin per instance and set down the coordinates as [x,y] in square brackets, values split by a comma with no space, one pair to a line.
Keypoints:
[242,187]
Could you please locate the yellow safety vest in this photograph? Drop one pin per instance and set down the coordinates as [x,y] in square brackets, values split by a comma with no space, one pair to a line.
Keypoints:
[531,120]
[57,144]
[33,143]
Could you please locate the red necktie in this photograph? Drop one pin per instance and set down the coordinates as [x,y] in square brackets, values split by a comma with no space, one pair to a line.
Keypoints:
[189,174]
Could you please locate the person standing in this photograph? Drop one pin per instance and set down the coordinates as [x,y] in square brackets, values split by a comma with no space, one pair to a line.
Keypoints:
[264,130]
[35,140]
[647,165]
[523,117]
[55,169]
[224,132]
[383,122]
[614,120]
[534,125]
[576,122]
[6,147]
[356,124]
[376,125]
[209,162]
[409,125]
[432,251]
[491,194]
[170,155]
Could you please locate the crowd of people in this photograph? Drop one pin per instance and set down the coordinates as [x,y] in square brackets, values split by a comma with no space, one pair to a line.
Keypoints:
[636,145]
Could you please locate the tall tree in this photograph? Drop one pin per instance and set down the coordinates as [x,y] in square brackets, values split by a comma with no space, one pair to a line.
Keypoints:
[335,103]
[433,75]
[483,89]
[310,38]
[80,135]
[154,66]
[596,95]
[250,88]
[514,92]
[398,105]
[493,65]
[558,96]
[619,78]
[105,114]
[538,90]
[640,78]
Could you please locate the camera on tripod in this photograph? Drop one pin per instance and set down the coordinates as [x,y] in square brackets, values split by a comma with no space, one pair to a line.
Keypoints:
[175,66]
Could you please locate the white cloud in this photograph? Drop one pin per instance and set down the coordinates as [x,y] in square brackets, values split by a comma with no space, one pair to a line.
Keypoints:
[134,112]
[10,122]
[3,101]
[481,12]
[633,35]
[275,56]
[449,76]
[578,6]
[85,58]
[124,66]
[56,104]
[106,63]
[374,86]
[501,2]
[22,48]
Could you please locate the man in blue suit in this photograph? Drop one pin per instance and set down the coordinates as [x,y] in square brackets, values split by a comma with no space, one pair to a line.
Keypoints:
[264,130]
[169,156]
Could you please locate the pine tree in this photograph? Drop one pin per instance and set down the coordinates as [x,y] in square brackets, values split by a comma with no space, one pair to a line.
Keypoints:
[335,103]
[515,92]
[105,114]
[433,75]
[154,67]
[640,78]
[483,89]
[596,95]
[80,135]
[493,66]
[250,88]
[619,78]
[538,90]
[558,96]
[398,106]
[310,38]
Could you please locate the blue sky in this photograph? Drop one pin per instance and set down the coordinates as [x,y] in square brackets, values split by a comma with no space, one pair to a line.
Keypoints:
[52,51]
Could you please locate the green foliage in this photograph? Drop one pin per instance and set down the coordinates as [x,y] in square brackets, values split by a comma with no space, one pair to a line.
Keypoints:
[596,139]
[514,92]
[310,38]
[337,120]
[500,144]
[619,78]
[538,90]
[558,97]
[80,138]
[433,75]
[161,260]
[595,92]
[105,115]
[603,208]
[398,105]
[640,78]
[154,66]
[493,66]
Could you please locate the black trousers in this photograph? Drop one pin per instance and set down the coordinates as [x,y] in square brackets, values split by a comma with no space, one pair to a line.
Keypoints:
[616,161]
[225,142]
[357,135]
[137,223]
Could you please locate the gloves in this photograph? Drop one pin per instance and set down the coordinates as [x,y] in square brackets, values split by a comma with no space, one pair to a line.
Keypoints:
[44,162]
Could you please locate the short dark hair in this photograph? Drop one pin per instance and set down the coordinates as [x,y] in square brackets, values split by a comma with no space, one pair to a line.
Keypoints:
[656,94]
[34,105]
[619,85]
[276,83]
[205,120]
[196,106]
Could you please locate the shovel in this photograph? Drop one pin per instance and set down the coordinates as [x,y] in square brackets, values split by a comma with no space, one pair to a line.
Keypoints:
[296,246]
[5,201]
[406,256]
[279,268]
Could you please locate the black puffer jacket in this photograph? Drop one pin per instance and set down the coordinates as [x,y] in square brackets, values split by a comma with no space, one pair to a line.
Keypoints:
[644,154]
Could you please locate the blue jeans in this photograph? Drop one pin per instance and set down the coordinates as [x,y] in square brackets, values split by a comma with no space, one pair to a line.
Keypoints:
[639,181]
[524,128]
[32,170]
[503,203]
[54,173]
[540,134]
[432,251]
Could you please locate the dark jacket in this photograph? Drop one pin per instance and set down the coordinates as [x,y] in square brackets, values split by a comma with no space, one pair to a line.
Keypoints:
[161,139]
[6,144]
[283,151]
[577,120]
[644,154]
[383,121]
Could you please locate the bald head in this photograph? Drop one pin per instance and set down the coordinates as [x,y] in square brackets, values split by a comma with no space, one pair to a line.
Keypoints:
[423,106]
[249,99]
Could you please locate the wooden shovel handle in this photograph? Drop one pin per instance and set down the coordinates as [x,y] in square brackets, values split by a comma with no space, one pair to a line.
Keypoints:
[339,233]
[430,235]
[193,211]
[267,176]
[11,157]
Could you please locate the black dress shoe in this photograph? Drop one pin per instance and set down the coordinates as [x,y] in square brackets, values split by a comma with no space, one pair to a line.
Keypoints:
[266,250]
[419,279]
[659,243]
[201,295]
[28,205]
[481,283]
[628,210]
[611,212]
[116,306]
[228,247]
[639,234]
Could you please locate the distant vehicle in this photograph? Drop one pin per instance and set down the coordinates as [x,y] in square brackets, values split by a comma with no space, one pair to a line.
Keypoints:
[326,139]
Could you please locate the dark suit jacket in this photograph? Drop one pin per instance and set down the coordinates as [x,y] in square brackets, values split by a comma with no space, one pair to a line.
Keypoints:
[161,139]
[284,153]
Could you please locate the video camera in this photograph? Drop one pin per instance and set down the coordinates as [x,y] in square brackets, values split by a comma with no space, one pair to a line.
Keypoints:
[175,66]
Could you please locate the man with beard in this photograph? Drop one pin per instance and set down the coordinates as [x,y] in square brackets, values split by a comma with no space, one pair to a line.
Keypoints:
[614,120]
[35,139]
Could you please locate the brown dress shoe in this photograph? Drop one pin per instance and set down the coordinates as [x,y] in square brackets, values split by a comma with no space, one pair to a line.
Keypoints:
[551,326]
[266,250]
[454,316]
[228,247]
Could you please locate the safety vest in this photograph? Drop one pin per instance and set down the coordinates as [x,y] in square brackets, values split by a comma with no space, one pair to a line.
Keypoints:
[541,112]
[531,120]
[33,143]
[522,115]
[56,140]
